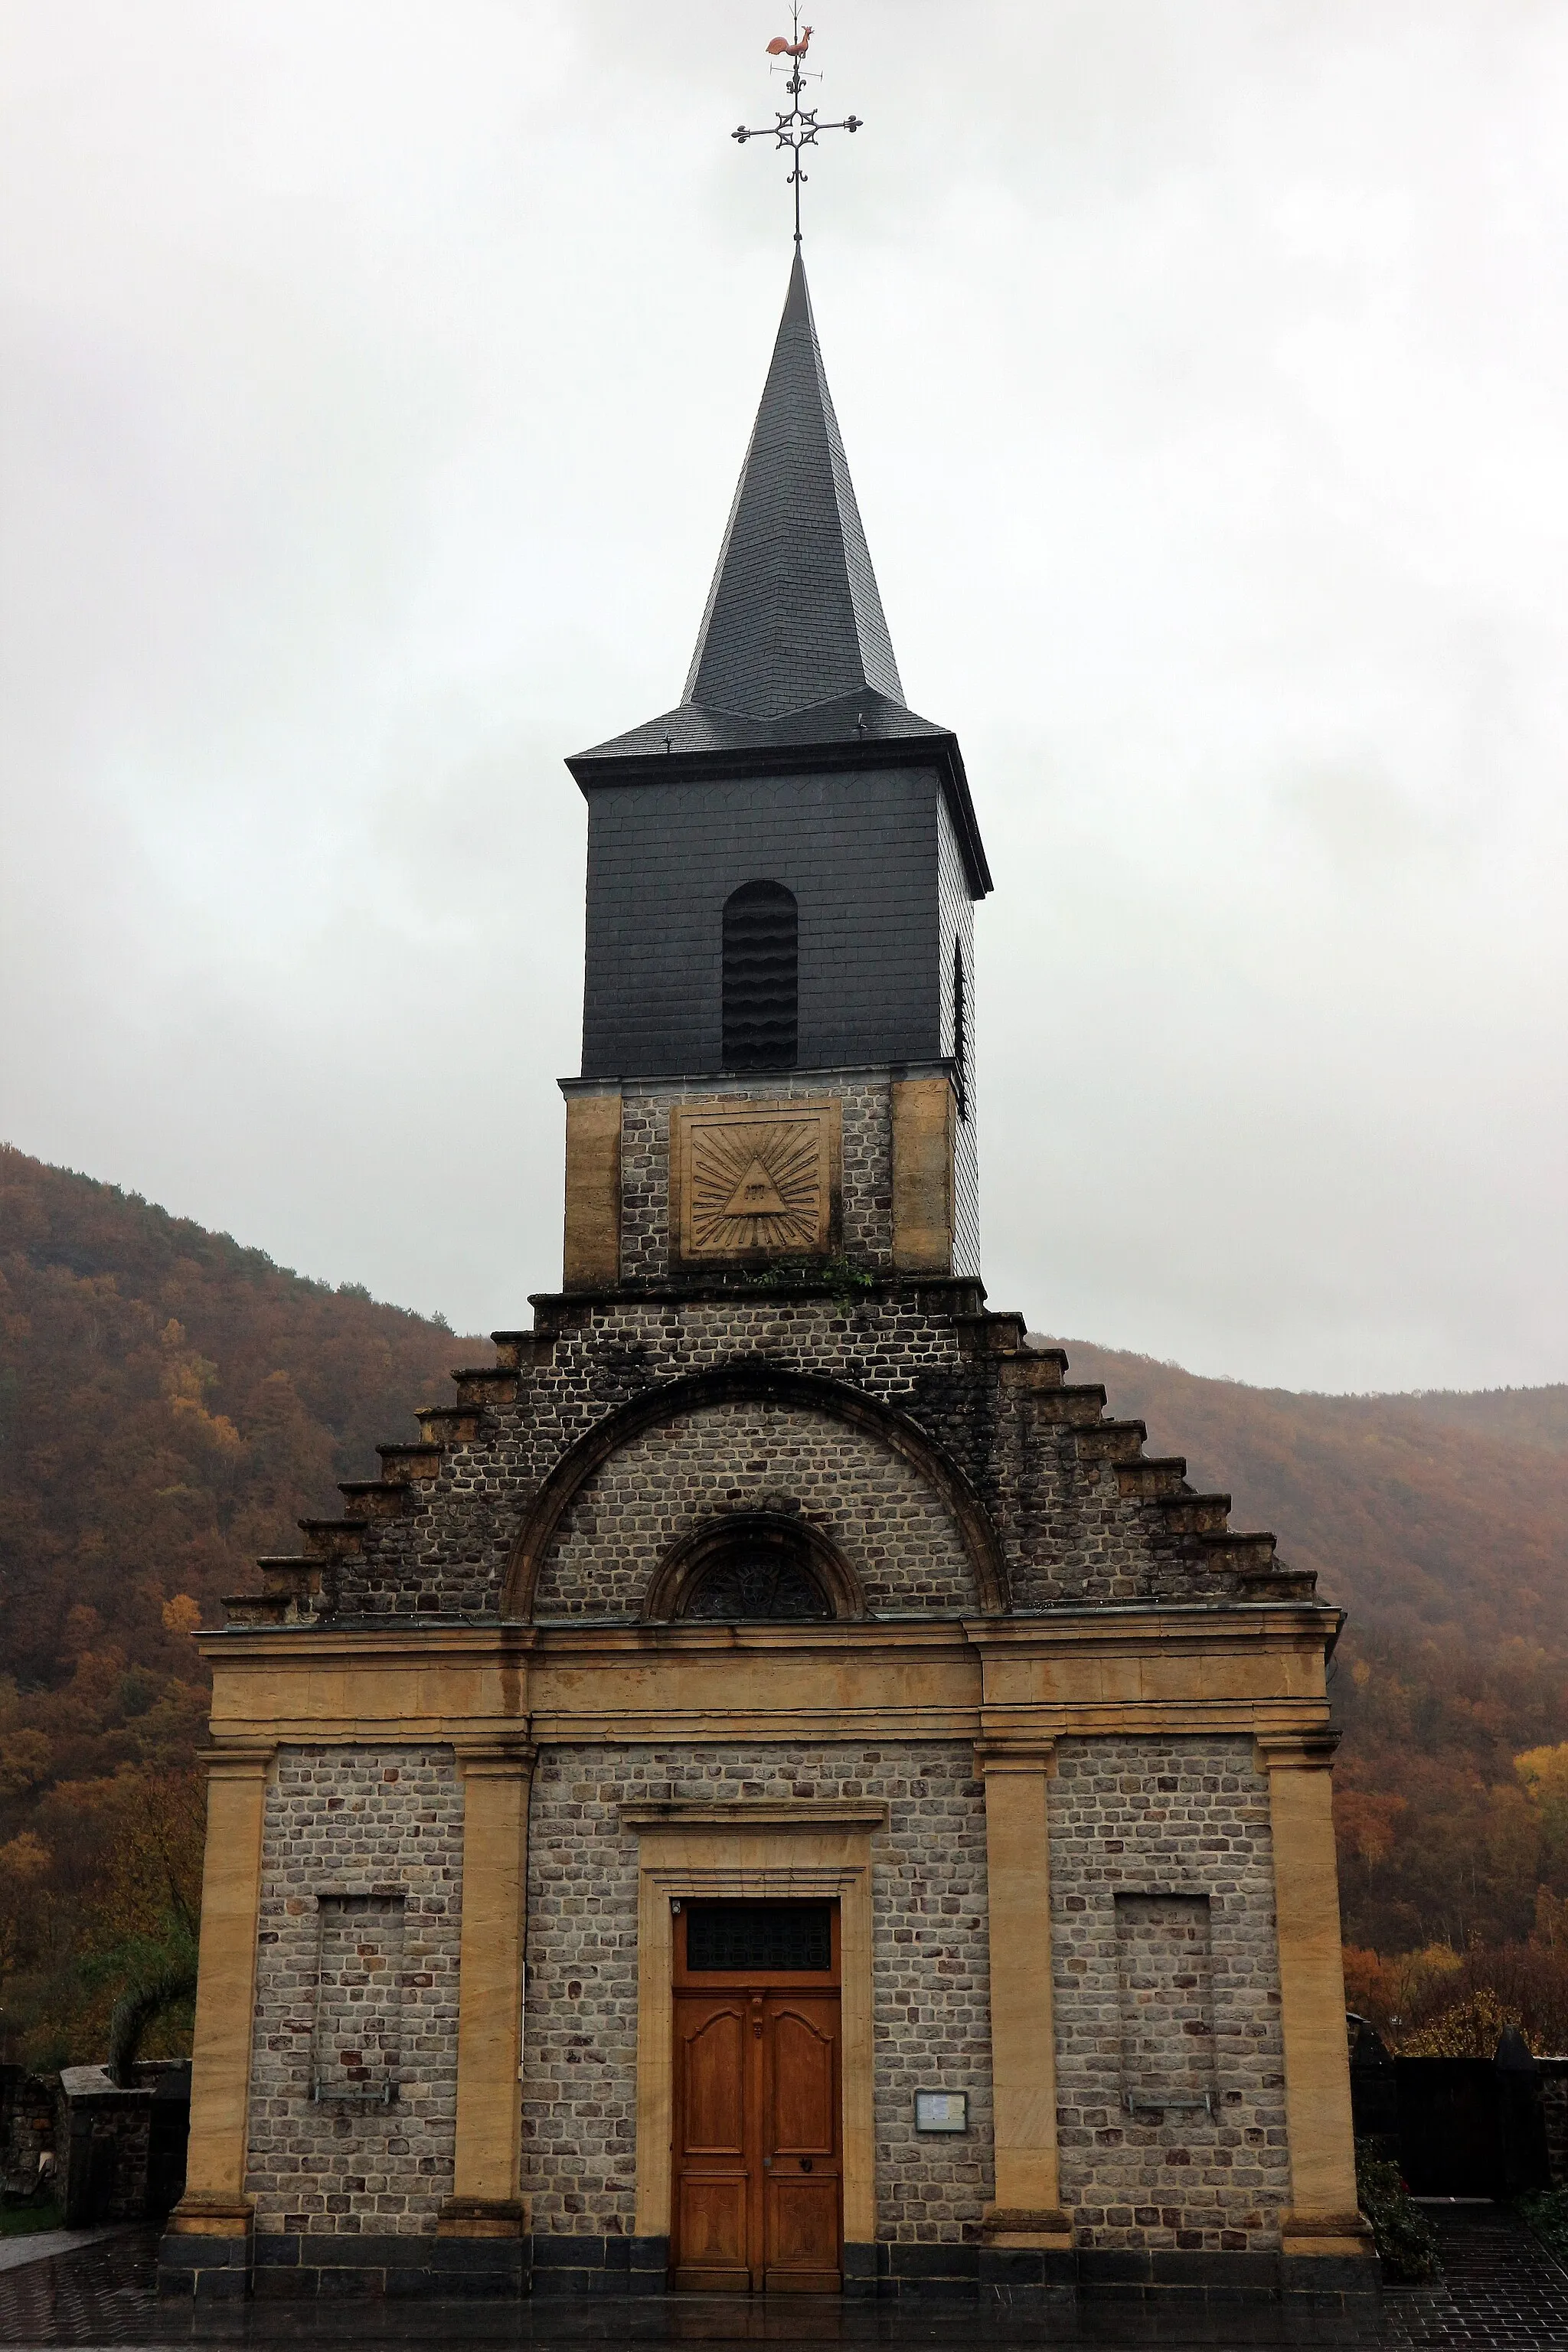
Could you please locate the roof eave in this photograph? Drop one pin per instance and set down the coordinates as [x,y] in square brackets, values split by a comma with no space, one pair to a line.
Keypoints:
[937,751]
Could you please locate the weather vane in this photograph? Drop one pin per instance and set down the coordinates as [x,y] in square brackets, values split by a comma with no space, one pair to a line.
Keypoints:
[799,127]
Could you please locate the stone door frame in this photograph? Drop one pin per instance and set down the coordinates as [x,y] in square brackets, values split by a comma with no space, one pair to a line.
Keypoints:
[747,1852]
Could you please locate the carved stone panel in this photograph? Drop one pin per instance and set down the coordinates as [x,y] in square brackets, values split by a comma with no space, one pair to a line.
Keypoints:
[754,1181]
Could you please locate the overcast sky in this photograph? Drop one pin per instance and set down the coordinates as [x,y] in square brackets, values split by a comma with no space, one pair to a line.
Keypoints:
[374,385]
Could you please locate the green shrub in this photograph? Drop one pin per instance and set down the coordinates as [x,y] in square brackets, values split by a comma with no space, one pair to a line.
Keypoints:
[1548,2217]
[23,2220]
[1401,2233]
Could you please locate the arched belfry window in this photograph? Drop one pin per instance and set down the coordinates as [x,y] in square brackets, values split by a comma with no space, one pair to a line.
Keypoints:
[762,978]
[960,1029]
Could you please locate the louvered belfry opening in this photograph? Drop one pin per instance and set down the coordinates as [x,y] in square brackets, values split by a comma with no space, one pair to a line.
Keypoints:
[762,978]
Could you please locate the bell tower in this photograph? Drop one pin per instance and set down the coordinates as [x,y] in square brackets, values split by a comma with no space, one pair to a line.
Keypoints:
[782,874]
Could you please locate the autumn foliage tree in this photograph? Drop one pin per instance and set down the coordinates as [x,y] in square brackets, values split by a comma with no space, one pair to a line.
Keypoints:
[170,1405]
[1441,1524]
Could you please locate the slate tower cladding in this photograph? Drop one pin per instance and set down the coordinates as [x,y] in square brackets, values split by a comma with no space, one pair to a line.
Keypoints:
[774,1791]
[791,774]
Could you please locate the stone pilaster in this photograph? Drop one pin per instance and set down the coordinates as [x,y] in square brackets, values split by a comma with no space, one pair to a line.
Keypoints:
[207,2249]
[485,2200]
[1323,2220]
[1027,2208]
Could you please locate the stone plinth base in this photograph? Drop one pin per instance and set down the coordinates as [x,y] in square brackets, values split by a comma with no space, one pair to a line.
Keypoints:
[999,2274]
[204,2253]
[638,2266]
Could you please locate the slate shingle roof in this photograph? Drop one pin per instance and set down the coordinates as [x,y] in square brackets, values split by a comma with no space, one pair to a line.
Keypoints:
[794,620]
[794,616]
[793,652]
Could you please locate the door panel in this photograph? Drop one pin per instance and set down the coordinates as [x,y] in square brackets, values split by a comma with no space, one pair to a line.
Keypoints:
[714,2083]
[712,2232]
[712,2218]
[801,2168]
[803,2256]
[757,2156]
[805,2106]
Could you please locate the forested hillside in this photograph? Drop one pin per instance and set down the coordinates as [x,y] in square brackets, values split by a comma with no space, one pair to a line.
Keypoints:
[1441,1523]
[170,1405]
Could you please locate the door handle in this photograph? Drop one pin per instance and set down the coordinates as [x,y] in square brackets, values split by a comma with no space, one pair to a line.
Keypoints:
[805,2164]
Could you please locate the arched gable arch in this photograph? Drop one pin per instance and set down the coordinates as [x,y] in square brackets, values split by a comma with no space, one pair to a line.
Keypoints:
[749,1383]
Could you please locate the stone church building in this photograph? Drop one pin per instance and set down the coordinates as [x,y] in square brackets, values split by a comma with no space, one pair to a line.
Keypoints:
[775,1792]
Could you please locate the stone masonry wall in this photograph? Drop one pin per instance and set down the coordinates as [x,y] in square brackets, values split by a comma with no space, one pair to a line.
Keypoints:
[356,1821]
[896,1532]
[451,1556]
[1068,1532]
[868,1194]
[1167,1817]
[930,1964]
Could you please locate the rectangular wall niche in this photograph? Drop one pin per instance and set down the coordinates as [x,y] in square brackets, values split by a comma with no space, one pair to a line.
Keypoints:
[1164,1966]
[357,2045]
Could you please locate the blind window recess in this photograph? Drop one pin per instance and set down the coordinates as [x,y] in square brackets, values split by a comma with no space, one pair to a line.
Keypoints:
[356,2039]
[1165,1966]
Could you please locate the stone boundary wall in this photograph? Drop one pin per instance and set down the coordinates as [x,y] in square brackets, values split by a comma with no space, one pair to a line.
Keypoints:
[356,1821]
[930,1968]
[1168,1816]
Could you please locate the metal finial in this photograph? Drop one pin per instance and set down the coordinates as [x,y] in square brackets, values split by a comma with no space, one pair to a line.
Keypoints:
[799,127]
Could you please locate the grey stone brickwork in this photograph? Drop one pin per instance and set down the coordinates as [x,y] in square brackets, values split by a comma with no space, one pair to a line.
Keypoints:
[1069,1532]
[930,1964]
[1167,1817]
[356,1821]
[868,1177]
[894,1530]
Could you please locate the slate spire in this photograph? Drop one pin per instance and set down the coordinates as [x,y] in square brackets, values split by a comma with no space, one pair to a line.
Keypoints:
[794,617]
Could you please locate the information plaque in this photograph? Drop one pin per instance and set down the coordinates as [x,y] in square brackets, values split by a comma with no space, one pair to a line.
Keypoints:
[941,2110]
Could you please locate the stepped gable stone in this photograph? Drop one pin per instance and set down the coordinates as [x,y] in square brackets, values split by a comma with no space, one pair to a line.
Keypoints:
[1082,1517]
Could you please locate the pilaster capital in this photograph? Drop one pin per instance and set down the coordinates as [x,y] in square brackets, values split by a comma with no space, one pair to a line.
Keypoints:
[1025,1753]
[1296,1751]
[487,1757]
[247,1760]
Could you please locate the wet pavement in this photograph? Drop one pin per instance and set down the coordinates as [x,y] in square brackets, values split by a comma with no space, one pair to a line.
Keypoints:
[1499,2286]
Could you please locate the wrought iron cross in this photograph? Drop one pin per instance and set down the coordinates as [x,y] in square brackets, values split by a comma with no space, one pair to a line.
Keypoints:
[799,127]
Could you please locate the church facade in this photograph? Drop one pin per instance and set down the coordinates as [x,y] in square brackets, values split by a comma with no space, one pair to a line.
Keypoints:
[776,1792]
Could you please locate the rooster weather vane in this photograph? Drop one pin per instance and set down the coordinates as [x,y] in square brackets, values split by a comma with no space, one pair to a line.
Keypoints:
[798,128]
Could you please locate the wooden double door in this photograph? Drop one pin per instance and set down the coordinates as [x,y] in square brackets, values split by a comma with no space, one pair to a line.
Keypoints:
[758,2172]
